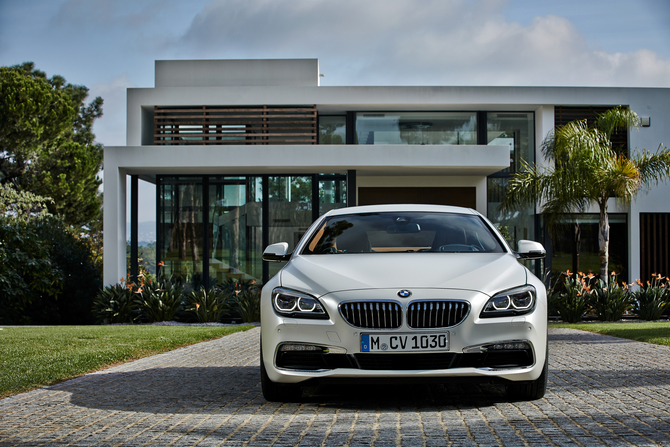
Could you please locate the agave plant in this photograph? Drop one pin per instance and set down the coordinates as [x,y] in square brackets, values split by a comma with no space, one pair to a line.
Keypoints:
[207,305]
[248,305]
[651,300]
[573,300]
[159,299]
[610,301]
[115,304]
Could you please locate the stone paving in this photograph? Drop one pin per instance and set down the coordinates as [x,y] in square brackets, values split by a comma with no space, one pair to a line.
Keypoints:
[602,391]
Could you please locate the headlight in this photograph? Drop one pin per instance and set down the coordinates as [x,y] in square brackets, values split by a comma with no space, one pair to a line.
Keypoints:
[289,303]
[517,301]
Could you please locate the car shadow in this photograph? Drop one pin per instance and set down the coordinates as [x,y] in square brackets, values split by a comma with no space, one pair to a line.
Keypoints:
[228,389]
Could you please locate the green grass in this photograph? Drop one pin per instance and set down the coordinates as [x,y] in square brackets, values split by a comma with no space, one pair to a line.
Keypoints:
[31,357]
[651,332]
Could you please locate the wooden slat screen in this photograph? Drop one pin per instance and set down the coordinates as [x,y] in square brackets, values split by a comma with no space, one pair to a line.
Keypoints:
[210,125]
[654,244]
[564,114]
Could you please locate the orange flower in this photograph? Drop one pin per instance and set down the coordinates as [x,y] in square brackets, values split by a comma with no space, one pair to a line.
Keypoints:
[591,275]
[567,272]
[139,290]
[197,306]
[161,264]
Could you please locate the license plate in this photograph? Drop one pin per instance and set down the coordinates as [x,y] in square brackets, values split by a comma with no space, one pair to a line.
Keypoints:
[404,342]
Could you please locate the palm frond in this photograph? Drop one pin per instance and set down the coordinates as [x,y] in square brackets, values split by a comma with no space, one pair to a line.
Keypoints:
[617,118]
[655,167]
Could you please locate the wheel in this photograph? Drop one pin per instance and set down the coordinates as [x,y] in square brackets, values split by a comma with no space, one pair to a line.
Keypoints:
[532,390]
[278,392]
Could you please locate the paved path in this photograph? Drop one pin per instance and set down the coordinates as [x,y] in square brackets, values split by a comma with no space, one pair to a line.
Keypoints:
[602,391]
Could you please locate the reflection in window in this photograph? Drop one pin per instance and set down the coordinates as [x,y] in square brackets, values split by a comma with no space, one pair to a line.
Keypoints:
[332,193]
[332,129]
[575,245]
[290,211]
[514,130]
[416,128]
[180,221]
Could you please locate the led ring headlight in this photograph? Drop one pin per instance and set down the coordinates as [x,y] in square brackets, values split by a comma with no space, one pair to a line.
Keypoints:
[289,303]
[518,301]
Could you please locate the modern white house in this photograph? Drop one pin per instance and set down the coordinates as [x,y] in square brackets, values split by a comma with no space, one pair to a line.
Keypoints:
[245,153]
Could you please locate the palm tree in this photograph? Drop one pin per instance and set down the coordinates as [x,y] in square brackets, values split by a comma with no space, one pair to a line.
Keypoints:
[585,169]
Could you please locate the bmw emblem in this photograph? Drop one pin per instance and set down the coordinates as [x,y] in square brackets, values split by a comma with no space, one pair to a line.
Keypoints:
[404,293]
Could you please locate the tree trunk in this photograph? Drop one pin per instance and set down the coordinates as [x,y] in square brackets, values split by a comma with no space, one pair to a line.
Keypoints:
[604,239]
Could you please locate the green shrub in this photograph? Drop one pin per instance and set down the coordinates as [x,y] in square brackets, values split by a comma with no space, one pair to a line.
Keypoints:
[610,303]
[651,300]
[571,297]
[208,306]
[243,299]
[248,305]
[115,304]
[159,299]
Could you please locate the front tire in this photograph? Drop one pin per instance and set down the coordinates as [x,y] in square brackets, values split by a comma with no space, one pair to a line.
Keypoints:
[532,390]
[278,392]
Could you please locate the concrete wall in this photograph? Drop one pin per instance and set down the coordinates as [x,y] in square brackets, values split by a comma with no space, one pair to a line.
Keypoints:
[237,73]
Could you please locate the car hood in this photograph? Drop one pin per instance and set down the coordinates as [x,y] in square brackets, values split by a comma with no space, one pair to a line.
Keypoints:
[483,272]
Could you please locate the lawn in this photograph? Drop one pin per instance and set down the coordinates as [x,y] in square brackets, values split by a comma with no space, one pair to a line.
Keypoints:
[31,357]
[649,332]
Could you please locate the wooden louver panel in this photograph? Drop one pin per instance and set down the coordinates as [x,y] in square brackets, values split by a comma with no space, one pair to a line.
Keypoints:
[564,114]
[654,244]
[208,125]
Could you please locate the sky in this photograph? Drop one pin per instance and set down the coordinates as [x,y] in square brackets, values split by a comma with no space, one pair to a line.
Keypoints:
[111,45]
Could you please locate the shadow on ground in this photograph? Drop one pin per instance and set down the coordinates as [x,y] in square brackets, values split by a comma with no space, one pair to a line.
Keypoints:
[204,389]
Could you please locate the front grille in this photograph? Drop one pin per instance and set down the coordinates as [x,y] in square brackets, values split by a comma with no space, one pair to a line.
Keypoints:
[372,314]
[436,314]
[312,361]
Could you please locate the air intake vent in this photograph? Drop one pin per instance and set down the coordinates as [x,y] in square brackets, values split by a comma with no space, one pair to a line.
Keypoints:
[372,314]
[436,314]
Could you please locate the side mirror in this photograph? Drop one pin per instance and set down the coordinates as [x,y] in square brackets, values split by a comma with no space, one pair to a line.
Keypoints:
[531,250]
[276,252]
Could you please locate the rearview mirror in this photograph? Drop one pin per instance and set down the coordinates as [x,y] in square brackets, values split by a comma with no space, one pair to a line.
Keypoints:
[407,228]
[531,250]
[276,252]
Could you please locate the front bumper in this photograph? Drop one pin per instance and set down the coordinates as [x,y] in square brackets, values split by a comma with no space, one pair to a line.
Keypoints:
[506,348]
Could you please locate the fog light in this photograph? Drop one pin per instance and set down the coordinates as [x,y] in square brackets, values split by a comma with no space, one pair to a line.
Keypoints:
[298,347]
[507,345]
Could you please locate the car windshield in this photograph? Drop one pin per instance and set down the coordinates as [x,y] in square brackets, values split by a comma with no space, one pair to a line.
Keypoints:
[403,232]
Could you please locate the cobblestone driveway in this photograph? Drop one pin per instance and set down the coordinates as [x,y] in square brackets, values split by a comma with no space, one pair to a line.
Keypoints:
[602,391]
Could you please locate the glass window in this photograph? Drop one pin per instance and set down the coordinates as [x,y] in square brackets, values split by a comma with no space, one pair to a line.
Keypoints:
[332,129]
[515,130]
[235,231]
[403,233]
[290,211]
[332,193]
[575,245]
[416,128]
[180,222]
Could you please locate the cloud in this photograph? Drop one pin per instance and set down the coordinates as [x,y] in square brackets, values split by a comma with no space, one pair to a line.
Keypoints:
[432,42]
[110,129]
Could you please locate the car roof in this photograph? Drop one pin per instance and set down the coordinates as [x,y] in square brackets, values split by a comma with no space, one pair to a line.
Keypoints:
[401,208]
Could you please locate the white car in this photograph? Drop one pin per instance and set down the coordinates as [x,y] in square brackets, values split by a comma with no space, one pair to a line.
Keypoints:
[405,292]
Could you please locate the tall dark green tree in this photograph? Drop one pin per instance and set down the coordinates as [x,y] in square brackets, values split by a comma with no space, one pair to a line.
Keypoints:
[47,145]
